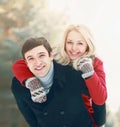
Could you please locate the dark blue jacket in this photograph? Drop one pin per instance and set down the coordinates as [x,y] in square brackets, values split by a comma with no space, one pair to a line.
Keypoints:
[64,106]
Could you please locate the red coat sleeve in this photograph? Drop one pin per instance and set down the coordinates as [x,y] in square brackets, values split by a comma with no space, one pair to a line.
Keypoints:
[21,71]
[96,84]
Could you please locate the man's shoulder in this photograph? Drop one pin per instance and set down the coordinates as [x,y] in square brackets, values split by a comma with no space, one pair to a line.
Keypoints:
[58,66]
[65,69]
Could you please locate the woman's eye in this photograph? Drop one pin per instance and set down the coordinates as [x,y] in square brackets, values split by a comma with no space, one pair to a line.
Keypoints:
[80,43]
[69,42]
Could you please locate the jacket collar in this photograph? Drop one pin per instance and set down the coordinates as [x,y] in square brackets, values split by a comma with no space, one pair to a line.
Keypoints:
[59,74]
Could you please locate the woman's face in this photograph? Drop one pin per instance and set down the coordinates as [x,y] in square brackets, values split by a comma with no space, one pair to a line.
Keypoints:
[75,45]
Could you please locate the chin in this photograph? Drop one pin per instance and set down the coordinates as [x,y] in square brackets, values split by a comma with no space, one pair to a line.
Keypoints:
[74,58]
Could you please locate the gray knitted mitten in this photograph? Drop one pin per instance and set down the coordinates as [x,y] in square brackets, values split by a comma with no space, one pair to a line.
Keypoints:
[38,93]
[86,66]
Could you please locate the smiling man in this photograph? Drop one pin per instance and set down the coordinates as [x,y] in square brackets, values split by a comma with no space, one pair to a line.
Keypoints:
[39,61]
[60,103]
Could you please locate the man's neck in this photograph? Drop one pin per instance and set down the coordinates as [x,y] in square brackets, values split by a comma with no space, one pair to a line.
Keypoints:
[47,80]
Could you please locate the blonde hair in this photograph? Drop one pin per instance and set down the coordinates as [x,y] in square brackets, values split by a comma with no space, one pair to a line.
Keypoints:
[59,50]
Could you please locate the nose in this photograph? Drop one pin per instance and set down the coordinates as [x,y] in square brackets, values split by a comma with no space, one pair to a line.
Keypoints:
[74,47]
[37,62]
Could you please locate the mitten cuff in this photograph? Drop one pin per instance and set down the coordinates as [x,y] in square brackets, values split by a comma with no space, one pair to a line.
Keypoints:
[87,75]
[27,82]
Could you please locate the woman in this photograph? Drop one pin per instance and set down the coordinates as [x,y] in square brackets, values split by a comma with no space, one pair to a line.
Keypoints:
[78,50]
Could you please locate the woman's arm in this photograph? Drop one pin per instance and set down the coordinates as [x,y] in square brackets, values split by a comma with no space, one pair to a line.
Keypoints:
[96,84]
[21,71]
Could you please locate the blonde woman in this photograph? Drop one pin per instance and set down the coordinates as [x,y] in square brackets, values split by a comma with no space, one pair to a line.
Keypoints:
[78,50]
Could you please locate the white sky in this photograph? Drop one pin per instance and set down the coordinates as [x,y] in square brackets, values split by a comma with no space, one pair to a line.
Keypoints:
[103,18]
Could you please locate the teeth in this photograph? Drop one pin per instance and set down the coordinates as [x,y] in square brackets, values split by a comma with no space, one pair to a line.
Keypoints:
[74,53]
[38,68]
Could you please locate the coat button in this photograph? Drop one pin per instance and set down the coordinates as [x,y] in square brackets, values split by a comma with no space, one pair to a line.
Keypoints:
[62,113]
[45,113]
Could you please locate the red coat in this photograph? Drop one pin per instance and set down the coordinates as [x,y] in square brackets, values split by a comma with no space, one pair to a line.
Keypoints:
[96,84]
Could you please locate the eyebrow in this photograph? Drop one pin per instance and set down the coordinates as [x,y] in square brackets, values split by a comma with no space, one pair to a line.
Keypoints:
[37,53]
[77,40]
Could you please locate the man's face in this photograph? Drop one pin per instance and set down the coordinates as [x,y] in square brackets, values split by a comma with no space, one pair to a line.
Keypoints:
[38,61]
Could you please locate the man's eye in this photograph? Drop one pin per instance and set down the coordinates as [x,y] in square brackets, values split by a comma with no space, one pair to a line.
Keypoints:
[30,59]
[41,55]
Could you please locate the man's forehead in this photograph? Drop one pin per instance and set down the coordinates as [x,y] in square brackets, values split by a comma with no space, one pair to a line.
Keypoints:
[37,50]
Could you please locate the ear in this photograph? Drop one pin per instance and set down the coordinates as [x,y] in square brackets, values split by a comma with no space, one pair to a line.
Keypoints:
[51,55]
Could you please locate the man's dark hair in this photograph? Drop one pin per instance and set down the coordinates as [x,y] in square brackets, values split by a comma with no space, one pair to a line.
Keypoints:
[34,42]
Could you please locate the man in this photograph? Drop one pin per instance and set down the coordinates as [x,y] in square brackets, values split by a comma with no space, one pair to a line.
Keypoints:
[55,104]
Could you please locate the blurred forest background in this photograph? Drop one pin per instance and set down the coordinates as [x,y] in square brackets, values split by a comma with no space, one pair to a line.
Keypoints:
[18,21]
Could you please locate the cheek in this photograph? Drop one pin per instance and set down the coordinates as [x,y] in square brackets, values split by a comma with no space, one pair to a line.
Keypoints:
[83,49]
[67,47]
[29,66]
[67,50]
